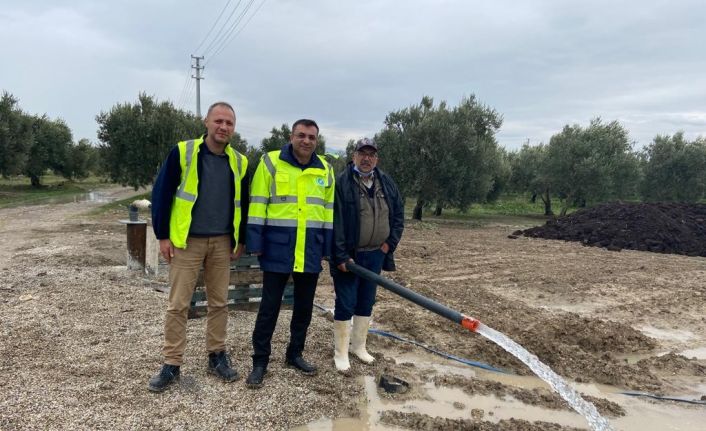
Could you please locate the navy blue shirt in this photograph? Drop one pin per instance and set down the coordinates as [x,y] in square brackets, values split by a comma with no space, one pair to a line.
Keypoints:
[167,183]
[287,154]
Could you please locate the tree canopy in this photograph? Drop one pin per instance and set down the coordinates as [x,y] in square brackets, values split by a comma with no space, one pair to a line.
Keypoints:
[442,155]
[529,174]
[50,148]
[591,164]
[31,145]
[675,169]
[136,137]
[82,159]
[15,136]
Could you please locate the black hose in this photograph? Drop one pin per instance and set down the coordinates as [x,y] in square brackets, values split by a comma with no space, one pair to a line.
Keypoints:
[665,398]
[409,294]
[465,361]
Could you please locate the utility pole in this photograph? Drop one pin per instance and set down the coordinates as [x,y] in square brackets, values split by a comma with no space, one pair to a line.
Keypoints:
[198,78]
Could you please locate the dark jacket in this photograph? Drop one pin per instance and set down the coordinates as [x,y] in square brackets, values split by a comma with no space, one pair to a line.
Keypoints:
[346,217]
[167,183]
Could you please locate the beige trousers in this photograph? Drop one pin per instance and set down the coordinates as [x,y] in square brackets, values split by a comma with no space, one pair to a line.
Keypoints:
[214,254]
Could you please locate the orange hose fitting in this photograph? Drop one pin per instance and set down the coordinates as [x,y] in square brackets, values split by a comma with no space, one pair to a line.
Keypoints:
[470,323]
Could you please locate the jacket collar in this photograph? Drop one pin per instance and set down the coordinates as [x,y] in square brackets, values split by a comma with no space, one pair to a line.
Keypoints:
[352,172]
[204,147]
[288,156]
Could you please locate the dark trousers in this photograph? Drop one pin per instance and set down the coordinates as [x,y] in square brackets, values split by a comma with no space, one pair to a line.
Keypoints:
[273,284]
[355,295]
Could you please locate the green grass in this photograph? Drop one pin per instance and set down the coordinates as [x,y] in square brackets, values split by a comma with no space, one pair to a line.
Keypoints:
[47,180]
[18,191]
[509,205]
[506,205]
[511,209]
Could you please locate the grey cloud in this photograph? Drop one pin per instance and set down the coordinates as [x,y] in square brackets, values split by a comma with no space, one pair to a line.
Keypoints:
[347,64]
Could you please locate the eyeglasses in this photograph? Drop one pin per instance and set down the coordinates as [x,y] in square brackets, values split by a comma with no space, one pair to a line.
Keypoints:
[301,135]
[367,155]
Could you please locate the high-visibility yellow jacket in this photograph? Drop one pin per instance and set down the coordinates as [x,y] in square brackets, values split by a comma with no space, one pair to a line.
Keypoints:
[187,193]
[290,220]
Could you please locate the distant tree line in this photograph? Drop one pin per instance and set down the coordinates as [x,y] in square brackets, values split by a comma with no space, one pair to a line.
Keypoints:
[32,145]
[588,165]
[441,156]
[448,157]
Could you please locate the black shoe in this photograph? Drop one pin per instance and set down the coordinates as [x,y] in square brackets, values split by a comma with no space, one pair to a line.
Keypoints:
[219,366]
[162,380]
[254,380]
[303,366]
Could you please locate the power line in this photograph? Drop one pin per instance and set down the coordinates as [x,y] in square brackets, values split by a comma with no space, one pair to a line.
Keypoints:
[220,30]
[213,26]
[224,35]
[187,95]
[218,42]
[231,38]
[178,101]
[188,83]
[187,89]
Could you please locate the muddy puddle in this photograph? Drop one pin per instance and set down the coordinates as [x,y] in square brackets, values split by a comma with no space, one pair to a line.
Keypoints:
[676,337]
[667,334]
[698,353]
[455,403]
[97,197]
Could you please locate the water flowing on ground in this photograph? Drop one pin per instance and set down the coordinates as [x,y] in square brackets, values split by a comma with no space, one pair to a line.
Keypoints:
[583,407]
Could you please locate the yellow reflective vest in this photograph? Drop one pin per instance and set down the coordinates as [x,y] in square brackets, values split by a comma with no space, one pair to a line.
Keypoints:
[290,219]
[187,193]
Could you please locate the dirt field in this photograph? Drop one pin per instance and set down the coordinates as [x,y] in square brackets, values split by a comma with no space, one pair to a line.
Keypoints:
[80,336]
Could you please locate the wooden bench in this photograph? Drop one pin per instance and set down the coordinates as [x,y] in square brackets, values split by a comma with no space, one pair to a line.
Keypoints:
[245,290]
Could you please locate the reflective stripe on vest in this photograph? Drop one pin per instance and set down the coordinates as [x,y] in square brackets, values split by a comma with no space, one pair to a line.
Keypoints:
[286,196]
[187,192]
[189,158]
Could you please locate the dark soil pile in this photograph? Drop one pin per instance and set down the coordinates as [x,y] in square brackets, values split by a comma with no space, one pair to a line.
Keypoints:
[657,227]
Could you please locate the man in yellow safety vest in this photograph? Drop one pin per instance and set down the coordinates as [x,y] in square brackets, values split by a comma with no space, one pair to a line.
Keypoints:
[197,216]
[290,228]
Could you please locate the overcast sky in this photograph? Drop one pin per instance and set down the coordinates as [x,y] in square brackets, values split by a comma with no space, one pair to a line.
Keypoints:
[346,64]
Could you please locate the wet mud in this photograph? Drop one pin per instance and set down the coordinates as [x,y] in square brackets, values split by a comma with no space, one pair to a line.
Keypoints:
[608,322]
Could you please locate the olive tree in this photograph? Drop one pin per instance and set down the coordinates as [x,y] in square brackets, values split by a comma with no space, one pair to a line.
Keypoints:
[529,174]
[136,137]
[15,136]
[591,164]
[441,155]
[675,169]
[50,145]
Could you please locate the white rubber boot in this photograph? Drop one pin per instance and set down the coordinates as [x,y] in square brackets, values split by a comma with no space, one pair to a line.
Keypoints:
[359,337]
[341,338]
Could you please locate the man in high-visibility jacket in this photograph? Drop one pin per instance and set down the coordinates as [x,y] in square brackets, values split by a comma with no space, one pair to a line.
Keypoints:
[290,228]
[198,215]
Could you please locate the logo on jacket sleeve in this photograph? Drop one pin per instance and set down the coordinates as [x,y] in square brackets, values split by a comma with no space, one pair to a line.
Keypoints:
[320,181]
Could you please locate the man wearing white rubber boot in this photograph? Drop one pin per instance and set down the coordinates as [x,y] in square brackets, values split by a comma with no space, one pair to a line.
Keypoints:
[367,225]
